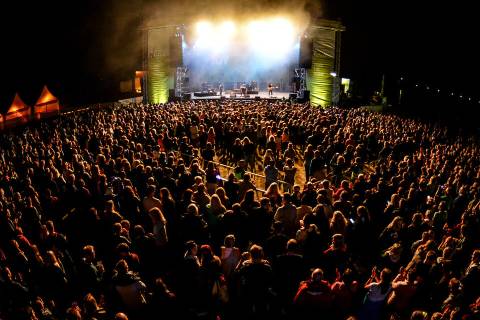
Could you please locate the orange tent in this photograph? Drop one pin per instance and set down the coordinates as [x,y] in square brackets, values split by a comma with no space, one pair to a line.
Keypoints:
[18,113]
[47,104]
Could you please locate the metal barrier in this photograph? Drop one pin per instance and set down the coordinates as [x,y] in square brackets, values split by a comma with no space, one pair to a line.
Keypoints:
[256,179]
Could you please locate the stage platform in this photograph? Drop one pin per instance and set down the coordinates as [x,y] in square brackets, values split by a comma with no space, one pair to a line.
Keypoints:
[261,95]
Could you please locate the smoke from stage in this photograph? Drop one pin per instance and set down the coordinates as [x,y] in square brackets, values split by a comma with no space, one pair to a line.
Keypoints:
[232,52]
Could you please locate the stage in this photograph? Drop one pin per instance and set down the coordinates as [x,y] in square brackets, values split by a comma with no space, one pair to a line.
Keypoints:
[261,95]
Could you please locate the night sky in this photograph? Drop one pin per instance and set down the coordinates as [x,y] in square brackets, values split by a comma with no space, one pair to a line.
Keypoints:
[82,48]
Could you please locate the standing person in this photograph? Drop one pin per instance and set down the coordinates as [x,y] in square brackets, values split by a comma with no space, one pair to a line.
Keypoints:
[271,174]
[287,215]
[290,171]
[159,224]
[270,89]
[230,256]
[256,277]
[220,89]
[307,159]
[249,151]
[378,288]
[318,166]
[314,297]
[404,287]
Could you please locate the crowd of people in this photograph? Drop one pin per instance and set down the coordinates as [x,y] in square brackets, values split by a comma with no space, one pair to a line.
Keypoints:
[125,213]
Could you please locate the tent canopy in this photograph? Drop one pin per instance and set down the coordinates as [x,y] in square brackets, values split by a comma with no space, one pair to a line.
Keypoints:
[46,96]
[47,102]
[18,109]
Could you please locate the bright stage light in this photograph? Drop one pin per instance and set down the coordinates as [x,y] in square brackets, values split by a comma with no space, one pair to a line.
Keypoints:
[212,37]
[204,34]
[271,37]
[203,27]
[227,29]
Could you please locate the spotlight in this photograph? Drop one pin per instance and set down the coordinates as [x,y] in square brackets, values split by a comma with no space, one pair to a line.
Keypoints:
[333,74]
[204,35]
[272,38]
[227,28]
[203,27]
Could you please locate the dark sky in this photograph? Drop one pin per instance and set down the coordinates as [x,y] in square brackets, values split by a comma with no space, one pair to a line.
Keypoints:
[79,48]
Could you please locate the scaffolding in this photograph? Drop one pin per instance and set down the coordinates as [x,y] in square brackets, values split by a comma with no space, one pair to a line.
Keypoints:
[181,80]
[301,74]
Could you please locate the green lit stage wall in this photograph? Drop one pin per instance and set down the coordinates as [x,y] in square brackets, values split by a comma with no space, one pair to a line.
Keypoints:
[319,79]
[159,73]
[158,79]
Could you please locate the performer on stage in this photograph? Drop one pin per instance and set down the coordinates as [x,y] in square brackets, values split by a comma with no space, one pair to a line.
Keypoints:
[243,90]
[270,89]
[220,89]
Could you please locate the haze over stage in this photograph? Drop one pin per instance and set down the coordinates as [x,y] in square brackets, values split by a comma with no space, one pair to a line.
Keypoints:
[262,50]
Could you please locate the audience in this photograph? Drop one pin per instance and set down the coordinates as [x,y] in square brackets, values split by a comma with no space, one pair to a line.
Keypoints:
[150,211]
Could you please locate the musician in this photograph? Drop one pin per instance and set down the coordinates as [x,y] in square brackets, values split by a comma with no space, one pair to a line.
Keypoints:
[220,89]
[243,90]
[270,89]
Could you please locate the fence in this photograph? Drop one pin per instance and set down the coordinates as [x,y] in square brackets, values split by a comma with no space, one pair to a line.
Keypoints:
[225,170]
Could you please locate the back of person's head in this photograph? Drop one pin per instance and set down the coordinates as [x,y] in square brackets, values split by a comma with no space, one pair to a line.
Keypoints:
[256,252]
[121,267]
[229,241]
[123,248]
[437,316]
[73,313]
[419,315]
[190,245]
[150,190]
[277,226]
[206,250]
[90,304]
[138,230]
[292,245]
[236,207]
[337,241]
[249,196]
[89,252]
[117,228]
[386,275]
[264,201]
[192,209]
[121,316]
[317,275]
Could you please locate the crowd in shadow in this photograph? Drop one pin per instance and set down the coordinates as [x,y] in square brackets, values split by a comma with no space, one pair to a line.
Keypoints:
[121,213]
